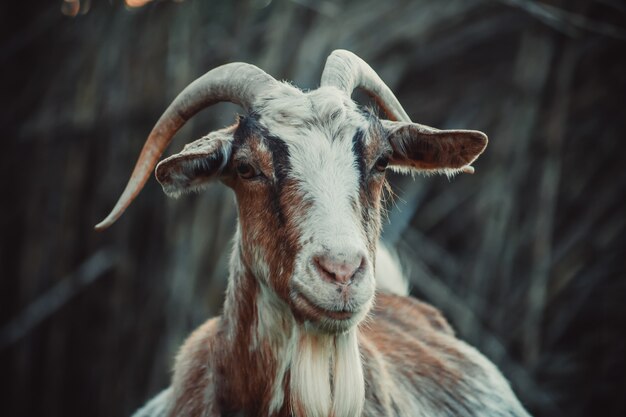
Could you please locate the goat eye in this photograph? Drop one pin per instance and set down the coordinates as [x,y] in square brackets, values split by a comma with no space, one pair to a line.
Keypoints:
[381,164]
[246,171]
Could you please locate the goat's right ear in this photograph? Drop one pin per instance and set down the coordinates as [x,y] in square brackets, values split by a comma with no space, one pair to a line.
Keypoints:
[199,162]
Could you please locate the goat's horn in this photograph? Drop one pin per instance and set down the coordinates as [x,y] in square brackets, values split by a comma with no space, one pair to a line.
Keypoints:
[347,71]
[238,83]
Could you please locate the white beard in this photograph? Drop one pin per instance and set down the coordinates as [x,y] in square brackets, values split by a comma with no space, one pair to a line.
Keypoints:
[322,361]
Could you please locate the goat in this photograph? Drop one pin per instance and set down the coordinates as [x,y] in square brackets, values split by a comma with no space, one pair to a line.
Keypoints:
[304,332]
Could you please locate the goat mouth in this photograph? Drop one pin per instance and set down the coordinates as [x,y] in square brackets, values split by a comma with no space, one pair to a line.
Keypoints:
[310,309]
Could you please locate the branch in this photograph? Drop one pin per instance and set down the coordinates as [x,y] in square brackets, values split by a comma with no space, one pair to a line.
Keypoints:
[50,302]
[565,21]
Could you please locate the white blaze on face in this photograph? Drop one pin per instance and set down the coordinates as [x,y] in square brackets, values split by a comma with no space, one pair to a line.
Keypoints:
[329,181]
[328,178]
[318,129]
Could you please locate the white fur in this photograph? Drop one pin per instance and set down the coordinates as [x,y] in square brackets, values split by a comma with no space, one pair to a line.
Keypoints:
[349,383]
[259,266]
[319,359]
[310,374]
[389,275]
[448,172]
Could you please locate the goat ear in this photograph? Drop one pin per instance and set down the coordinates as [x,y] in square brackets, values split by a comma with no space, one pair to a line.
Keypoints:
[198,163]
[425,149]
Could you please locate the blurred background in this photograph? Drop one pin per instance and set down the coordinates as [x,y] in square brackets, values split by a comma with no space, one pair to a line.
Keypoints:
[526,257]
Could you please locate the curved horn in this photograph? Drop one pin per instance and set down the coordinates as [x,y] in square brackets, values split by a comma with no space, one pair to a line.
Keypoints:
[347,71]
[238,83]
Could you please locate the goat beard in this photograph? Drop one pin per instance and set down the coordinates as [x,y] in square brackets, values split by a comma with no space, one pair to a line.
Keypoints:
[326,375]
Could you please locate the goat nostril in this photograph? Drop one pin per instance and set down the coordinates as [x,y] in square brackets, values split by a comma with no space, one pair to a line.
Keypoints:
[322,270]
[338,270]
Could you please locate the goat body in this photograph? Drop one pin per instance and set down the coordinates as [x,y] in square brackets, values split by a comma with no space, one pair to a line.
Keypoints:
[412,365]
[304,332]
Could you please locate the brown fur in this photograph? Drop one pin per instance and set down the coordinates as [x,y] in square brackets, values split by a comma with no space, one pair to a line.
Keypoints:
[193,378]
[243,371]
[400,331]
[260,225]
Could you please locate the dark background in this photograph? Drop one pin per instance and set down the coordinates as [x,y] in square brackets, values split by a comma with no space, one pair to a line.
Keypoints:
[526,257]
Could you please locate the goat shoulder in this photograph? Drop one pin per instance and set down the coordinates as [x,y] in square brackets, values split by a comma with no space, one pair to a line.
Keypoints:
[192,384]
[414,365]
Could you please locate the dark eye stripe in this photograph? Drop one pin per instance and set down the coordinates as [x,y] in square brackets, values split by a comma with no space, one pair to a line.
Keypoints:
[358,148]
[250,126]
[280,157]
[282,167]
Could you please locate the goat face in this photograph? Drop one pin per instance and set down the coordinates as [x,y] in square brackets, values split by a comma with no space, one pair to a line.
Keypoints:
[308,170]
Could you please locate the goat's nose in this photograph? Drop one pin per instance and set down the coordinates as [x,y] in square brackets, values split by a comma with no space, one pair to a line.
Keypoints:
[339,269]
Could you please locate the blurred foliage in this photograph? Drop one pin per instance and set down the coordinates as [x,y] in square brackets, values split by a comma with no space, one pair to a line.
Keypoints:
[526,257]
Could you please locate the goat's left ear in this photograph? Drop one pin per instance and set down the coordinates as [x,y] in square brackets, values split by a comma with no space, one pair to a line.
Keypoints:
[425,149]
[197,165]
